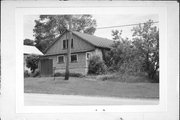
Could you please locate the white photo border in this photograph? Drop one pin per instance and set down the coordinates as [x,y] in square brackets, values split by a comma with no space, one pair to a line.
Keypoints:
[20,12]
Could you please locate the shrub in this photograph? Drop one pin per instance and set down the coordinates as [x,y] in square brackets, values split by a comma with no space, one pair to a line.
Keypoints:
[106,77]
[26,73]
[32,62]
[155,79]
[76,75]
[96,66]
[70,74]
[58,74]
[36,73]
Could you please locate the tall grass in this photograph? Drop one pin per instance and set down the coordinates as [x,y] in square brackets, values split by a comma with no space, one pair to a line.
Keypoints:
[129,78]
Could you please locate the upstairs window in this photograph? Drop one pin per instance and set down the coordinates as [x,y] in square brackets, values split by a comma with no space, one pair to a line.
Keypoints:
[65,44]
[60,59]
[74,58]
[72,44]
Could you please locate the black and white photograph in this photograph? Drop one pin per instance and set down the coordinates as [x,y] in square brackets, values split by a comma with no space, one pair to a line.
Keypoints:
[89,60]
[86,59]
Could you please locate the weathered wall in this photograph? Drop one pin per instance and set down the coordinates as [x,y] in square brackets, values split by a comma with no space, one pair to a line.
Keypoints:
[75,67]
[79,46]
[81,66]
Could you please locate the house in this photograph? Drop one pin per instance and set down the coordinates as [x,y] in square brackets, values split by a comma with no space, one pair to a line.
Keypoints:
[83,46]
[30,50]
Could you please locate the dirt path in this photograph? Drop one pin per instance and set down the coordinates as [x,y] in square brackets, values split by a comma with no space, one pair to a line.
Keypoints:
[55,100]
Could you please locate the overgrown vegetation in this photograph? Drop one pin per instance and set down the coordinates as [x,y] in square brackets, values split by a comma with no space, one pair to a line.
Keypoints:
[26,73]
[96,65]
[36,73]
[32,62]
[127,78]
[138,55]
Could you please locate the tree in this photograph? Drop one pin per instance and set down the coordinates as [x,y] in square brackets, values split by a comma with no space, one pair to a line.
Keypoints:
[141,54]
[49,27]
[32,62]
[146,40]
[28,42]
[123,56]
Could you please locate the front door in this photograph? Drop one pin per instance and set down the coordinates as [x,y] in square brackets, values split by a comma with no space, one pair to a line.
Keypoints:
[46,67]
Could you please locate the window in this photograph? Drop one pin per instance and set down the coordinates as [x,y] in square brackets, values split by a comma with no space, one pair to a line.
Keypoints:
[72,43]
[74,58]
[65,44]
[60,59]
[88,55]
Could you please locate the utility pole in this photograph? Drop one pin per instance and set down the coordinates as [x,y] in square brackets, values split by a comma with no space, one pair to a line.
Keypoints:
[68,59]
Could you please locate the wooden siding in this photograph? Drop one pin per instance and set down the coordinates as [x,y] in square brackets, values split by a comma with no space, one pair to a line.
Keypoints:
[78,43]
[77,67]
[80,47]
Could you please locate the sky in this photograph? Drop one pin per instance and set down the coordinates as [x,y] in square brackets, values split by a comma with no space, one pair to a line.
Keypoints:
[102,21]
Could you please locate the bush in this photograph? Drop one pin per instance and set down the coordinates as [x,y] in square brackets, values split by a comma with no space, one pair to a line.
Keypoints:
[96,66]
[32,62]
[106,77]
[58,74]
[155,79]
[70,74]
[26,73]
[36,73]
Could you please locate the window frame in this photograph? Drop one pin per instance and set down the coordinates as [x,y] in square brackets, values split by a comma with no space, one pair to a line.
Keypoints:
[89,54]
[72,43]
[76,58]
[66,43]
[58,59]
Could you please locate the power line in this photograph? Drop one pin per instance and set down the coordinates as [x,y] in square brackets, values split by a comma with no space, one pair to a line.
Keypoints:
[122,25]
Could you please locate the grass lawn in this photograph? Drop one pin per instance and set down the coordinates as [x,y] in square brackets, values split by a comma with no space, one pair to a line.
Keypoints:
[86,87]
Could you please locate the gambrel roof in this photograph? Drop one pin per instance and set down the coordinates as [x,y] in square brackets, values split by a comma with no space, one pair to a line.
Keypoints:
[91,39]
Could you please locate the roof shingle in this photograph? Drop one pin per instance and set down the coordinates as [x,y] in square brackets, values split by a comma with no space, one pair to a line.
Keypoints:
[96,41]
